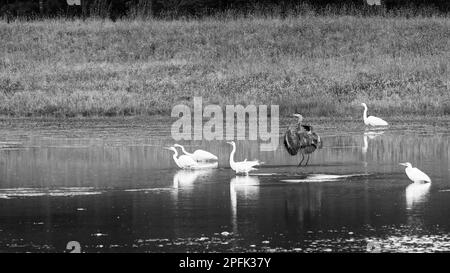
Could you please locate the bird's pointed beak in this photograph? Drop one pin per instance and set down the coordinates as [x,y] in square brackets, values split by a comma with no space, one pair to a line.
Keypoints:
[167,148]
[403,164]
[229,142]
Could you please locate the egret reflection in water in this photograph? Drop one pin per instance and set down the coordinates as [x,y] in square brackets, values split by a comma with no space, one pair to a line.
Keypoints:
[246,188]
[417,194]
[186,178]
[369,135]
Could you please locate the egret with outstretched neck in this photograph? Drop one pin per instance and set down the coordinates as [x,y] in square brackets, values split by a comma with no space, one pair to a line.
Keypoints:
[243,166]
[415,174]
[184,161]
[371,120]
[198,155]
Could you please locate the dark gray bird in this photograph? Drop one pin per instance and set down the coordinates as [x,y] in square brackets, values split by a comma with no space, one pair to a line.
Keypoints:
[301,138]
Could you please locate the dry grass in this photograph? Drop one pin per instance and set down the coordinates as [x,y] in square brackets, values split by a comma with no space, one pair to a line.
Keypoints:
[322,66]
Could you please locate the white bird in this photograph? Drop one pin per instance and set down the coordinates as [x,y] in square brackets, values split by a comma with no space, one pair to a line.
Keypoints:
[415,174]
[243,166]
[198,155]
[184,161]
[371,120]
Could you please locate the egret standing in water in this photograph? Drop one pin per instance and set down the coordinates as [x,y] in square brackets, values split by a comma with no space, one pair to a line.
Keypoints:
[371,120]
[198,155]
[415,174]
[184,161]
[305,141]
[243,166]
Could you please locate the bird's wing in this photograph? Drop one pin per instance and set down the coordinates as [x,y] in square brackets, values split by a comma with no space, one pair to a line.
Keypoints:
[187,161]
[309,149]
[304,139]
[376,121]
[204,154]
[291,142]
[316,140]
[246,164]
[417,175]
[252,163]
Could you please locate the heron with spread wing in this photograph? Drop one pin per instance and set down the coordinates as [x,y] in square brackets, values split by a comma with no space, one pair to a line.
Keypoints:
[301,138]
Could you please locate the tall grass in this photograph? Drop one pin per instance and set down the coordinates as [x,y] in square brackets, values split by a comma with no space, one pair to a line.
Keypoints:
[319,65]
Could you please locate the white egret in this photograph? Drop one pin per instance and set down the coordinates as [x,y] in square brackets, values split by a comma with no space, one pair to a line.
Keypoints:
[184,161]
[415,174]
[198,155]
[371,120]
[243,166]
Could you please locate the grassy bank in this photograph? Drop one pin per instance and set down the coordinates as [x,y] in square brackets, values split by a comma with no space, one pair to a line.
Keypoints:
[321,66]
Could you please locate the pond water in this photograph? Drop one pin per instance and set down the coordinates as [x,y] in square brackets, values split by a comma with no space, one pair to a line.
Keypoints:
[110,186]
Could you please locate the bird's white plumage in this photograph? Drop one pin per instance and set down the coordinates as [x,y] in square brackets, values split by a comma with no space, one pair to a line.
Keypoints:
[415,174]
[243,166]
[371,120]
[187,162]
[184,161]
[374,121]
[198,155]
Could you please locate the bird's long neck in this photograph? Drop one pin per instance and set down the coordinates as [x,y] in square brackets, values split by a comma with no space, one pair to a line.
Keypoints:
[365,113]
[232,155]
[175,158]
[184,151]
[299,123]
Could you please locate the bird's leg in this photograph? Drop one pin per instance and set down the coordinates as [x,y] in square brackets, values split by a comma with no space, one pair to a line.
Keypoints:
[303,157]
[307,160]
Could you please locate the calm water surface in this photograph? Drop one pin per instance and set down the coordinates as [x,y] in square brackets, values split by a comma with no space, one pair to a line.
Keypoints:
[109,185]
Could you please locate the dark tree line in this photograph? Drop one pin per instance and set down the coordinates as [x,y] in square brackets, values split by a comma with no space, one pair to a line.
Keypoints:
[119,8]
